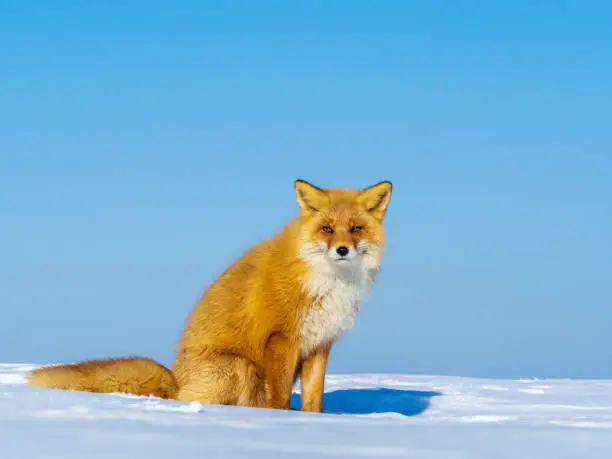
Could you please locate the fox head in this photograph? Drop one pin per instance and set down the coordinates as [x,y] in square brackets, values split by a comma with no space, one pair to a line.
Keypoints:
[342,228]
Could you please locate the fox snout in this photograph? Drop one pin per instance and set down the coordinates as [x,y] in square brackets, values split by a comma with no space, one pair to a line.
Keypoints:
[342,252]
[346,251]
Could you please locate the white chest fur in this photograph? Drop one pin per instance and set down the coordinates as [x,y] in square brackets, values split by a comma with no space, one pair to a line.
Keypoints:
[336,300]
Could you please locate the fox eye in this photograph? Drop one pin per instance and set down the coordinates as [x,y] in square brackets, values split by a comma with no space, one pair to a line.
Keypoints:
[354,229]
[327,229]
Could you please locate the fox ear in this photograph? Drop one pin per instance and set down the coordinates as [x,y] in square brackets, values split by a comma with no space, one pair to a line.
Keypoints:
[310,198]
[376,199]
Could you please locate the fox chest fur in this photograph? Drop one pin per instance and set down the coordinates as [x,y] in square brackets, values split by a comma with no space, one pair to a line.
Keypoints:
[335,301]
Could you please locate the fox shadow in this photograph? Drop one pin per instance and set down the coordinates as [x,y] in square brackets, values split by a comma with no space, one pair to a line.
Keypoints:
[368,401]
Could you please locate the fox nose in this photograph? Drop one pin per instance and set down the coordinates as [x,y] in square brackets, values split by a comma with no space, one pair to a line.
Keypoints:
[342,251]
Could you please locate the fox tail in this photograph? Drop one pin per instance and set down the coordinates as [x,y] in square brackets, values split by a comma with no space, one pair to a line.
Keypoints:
[132,375]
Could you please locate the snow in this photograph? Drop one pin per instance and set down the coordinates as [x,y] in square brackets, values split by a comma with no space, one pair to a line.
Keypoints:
[425,417]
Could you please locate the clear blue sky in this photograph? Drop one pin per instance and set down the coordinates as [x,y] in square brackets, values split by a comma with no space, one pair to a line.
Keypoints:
[145,145]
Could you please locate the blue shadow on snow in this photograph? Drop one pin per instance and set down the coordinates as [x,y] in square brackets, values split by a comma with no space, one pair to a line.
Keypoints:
[367,401]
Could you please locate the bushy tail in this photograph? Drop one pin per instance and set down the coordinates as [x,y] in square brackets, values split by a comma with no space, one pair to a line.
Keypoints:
[132,375]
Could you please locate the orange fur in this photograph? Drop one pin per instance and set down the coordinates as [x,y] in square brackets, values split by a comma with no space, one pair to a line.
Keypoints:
[272,316]
[134,375]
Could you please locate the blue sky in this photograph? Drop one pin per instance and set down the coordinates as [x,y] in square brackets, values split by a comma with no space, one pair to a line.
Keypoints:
[145,145]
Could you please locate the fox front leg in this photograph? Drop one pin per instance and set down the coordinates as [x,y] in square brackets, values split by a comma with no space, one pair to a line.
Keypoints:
[313,380]
[280,360]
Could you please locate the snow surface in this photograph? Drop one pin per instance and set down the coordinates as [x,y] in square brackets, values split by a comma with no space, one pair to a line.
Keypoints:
[425,417]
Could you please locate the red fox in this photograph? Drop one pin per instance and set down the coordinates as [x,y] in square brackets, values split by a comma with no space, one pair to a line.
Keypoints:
[269,319]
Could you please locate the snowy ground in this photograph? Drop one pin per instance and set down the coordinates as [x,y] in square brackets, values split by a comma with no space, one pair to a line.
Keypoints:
[425,417]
